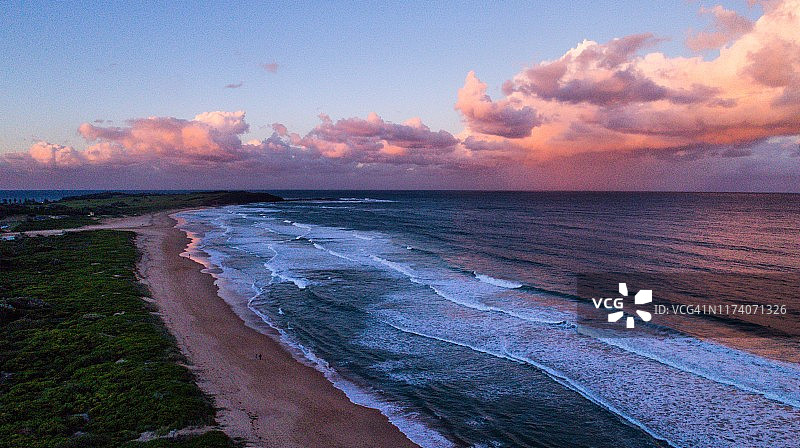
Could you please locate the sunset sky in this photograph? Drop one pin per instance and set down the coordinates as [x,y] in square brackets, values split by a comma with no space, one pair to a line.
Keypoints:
[625,95]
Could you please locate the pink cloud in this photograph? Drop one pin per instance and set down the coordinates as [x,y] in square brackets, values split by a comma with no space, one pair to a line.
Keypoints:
[484,116]
[54,155]
[373,140]
[209,137]
[615,97]
[728,25]
[776,64]
[271,67]
[213,140]
[601,74]
[280,129]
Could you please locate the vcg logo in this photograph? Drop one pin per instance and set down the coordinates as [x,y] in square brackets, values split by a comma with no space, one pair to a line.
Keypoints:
[642,297]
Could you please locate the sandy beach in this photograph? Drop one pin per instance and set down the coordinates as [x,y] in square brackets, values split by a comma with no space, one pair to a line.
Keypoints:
[271,400]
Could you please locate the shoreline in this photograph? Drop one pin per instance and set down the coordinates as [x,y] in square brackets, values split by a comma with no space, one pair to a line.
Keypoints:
[264,395]
[240,304]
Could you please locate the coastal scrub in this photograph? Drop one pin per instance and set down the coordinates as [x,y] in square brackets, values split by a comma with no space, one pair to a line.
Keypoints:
[83,359]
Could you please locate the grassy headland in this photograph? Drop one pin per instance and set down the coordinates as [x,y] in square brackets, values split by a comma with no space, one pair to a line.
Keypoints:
[78,211]
[83,361]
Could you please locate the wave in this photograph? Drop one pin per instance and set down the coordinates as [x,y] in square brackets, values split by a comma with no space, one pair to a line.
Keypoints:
[364,200]
[554,374]
[277,272]
[300,282]
[720,373]
[657,395]
[434,285]
[333,252]
[439,291]
[483,307]
[497,281]
[396,266]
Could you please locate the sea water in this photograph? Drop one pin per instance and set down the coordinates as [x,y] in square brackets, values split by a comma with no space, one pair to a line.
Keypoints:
[454,313]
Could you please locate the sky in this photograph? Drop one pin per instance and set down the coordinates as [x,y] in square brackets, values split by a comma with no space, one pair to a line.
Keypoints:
[622,95]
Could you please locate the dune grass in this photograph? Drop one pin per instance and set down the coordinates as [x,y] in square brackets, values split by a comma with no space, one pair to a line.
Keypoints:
[83,361]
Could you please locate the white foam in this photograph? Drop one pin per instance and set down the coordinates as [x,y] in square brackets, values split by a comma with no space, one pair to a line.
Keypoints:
[528,317]
[509,284]
[364,200]
[396,266]
[559,377]
[301,283]
[438,287]
[333,252]
[747,372]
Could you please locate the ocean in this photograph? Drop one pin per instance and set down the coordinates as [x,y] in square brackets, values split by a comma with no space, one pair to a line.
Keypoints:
[456,313]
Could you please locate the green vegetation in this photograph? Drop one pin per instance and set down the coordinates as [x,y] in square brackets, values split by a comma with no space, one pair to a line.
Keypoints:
[77,211]
[211,439]
[83,362]
[60,222]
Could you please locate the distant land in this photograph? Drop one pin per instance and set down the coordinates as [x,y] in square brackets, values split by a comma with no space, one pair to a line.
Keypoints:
[19,215]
